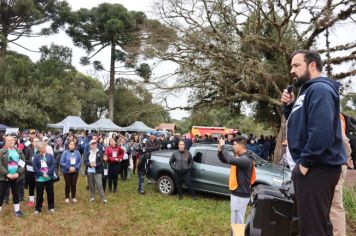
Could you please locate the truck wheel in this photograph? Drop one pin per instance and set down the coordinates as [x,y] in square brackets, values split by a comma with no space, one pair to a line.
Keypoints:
[165,185]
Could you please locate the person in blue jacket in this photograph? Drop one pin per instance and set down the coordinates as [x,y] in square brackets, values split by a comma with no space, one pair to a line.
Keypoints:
[70,164]
[44,166]
[254,147]
[314,141]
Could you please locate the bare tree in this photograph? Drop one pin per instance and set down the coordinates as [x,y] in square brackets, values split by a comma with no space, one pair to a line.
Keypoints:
[232,51]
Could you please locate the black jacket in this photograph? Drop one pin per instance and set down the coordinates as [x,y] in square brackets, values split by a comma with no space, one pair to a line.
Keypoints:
[99,169]
[181,162]
[30,155]
[152,146]
[142,164]
[244,164]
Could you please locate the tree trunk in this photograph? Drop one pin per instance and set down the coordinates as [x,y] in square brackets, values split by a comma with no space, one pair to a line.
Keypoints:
[282,135]
[112,82]
[4,32]
[3,49]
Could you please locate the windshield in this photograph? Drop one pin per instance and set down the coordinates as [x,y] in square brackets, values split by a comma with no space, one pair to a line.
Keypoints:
[259,161]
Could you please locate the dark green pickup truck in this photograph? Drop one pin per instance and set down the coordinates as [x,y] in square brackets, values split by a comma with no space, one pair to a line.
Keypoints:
[209,174]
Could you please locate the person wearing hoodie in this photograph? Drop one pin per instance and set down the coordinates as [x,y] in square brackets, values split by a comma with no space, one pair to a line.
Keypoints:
[242,176]
[254,147]
[181,163]
[70,164]
[314,141]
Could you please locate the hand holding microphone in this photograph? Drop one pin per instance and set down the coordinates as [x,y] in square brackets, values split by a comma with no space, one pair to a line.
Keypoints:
[288,95]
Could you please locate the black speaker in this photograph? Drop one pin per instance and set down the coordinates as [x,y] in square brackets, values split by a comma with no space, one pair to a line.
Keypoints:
[273,213]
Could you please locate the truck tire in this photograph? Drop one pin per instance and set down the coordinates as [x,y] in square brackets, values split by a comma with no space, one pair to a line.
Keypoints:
[165,185]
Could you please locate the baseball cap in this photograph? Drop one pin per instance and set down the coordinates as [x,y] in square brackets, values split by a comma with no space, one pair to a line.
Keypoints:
[92,141]
[239,139]
[45,138]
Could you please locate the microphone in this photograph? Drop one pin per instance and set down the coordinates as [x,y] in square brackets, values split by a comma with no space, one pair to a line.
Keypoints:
[290,88]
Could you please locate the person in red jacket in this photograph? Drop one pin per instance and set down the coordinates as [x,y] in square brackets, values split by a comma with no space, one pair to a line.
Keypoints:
[114,155]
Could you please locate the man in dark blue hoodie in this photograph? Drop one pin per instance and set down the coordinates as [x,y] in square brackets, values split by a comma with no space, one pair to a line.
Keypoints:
[314,140]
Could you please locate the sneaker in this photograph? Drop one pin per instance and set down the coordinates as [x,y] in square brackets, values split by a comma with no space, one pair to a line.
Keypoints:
[92,199]
[30,204]
[66,201]
[74,200]
[37,212]
[141,192]
[18,214]
[52,211]
[105,201]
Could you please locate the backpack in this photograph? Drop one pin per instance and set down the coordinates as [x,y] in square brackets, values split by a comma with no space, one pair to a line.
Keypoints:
[351,132]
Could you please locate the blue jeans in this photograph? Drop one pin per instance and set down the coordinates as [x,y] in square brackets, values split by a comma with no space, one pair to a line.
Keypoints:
[140,182]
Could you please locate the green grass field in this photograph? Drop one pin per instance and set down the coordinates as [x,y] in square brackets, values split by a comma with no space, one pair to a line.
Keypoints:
[127,213]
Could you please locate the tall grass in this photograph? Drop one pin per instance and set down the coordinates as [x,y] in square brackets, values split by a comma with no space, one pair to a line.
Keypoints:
[349,196]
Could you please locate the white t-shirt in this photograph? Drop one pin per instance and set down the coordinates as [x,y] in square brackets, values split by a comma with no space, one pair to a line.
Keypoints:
[92,155]
[289,159]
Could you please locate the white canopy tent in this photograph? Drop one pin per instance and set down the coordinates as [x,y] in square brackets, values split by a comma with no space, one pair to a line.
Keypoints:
[3,127]
[104,124]
[7,129]
[138,126]
[70,122]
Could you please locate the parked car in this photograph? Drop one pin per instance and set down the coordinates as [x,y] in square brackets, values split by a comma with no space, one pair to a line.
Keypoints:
[209,174]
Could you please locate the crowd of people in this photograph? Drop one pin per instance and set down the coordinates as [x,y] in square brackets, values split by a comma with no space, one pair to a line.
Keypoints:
[263,146]
[33,161]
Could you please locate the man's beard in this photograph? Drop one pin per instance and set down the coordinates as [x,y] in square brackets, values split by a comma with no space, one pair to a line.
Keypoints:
[299,81]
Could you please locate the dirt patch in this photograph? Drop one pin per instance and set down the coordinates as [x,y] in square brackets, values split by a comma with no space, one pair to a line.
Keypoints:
[350,178]
[350,227]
